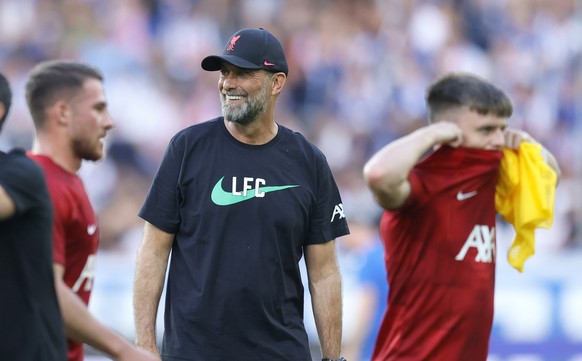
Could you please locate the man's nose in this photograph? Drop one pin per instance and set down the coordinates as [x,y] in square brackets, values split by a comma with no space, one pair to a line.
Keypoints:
[229,82]
[498,138]
[108,121]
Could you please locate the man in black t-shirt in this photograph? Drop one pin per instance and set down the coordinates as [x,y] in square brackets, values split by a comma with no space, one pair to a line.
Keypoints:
[238,201]
[32,327]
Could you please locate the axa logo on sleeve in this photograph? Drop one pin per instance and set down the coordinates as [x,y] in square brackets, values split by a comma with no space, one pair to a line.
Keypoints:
[338,211]
[248,188]
[481,238]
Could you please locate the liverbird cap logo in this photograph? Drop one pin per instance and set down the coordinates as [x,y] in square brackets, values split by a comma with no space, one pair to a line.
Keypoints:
[233,41]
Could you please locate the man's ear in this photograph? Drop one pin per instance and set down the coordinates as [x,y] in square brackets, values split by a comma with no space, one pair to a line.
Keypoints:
[278,83]
[61,111]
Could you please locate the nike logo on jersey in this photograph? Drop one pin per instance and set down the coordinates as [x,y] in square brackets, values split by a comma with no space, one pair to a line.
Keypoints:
[462,196]
[251,188]
[91,229]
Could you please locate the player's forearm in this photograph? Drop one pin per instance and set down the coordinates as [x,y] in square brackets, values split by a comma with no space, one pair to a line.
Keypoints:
[390,167]
[82,327]
[386,173]
[148,284]
[327,309]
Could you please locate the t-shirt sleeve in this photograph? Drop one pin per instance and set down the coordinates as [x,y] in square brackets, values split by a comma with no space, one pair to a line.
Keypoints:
[328,220]
[417,191]
[161,205]
[23,181]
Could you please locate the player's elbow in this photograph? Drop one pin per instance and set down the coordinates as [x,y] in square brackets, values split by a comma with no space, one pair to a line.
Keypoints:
[381,180]
[373,176]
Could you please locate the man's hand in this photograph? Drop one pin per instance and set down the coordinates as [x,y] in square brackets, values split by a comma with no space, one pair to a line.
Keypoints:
[514,137]
[446,133]
[133,353]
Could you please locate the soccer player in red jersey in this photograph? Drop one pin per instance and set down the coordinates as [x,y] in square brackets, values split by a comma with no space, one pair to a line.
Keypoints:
[438,227]
[69,109]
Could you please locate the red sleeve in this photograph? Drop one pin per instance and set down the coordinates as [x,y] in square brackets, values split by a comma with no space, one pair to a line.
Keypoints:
[416,195]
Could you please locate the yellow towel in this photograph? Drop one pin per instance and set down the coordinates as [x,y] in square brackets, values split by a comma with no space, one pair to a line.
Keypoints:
[525,198]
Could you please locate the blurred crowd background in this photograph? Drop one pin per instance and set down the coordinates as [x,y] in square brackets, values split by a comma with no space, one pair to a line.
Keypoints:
[357,80]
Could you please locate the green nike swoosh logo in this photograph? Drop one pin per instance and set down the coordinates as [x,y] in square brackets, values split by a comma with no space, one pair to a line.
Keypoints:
[222,198]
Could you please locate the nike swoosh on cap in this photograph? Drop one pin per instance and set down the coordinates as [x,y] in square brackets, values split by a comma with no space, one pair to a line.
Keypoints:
[220,197]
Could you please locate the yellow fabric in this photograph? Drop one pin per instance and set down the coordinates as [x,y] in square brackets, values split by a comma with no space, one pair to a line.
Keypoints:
[525,198]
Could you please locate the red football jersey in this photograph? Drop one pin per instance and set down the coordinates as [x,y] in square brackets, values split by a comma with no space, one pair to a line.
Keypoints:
[440,260]
[75,233]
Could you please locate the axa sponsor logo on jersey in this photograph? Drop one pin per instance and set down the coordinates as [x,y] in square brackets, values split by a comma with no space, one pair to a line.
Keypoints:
[482,239]
[338,212]
[243,190]
[87,275]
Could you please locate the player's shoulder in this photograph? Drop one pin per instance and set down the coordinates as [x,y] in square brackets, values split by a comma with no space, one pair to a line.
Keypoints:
[17,159]
[15,154]
[52,171]
[299,140]
[19,166]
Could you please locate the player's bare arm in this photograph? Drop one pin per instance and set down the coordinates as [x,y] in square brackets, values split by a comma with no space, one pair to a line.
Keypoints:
[326,299]
[81,326]
[7,207]
[514,137]
[387,171]
[150,272]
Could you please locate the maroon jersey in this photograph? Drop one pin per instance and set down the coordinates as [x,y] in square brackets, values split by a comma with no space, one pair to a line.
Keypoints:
[440,259]
[75,233]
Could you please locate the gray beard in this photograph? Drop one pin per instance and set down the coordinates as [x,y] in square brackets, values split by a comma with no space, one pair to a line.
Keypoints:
[249,111]
[243,115]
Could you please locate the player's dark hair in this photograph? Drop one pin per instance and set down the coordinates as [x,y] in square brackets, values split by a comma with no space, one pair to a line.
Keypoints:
[53,80]
[462,89]
[5,97]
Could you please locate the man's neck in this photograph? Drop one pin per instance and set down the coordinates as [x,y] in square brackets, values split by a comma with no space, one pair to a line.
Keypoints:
[255,133]
[60,154]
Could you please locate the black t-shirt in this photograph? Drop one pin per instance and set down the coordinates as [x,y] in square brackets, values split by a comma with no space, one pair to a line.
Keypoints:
[32,327]
[242,215]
